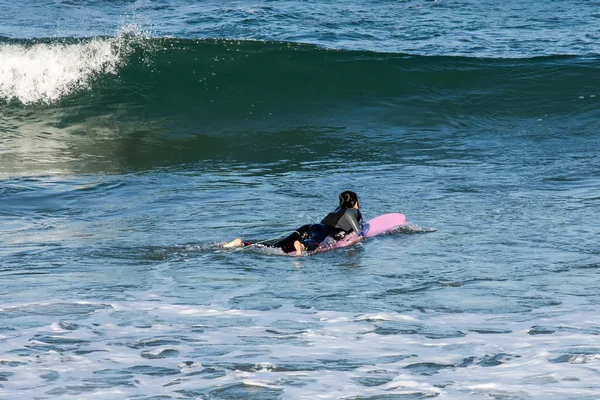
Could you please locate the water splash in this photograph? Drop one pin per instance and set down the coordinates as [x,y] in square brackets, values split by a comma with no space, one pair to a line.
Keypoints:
[412,228]
[32,73]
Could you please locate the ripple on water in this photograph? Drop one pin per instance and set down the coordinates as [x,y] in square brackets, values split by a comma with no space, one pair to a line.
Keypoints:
[153,342]
[162,354]
[209,372]
[375,378]
[398,328]
[427,368]
[52,309]
[5,375]
[247,391]
[140,369]
[577,355]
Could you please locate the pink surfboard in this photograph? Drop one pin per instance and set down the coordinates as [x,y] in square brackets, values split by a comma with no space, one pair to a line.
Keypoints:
[379,225]
[384,223]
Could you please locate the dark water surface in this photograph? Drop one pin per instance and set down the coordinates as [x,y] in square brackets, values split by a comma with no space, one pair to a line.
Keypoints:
[138,136]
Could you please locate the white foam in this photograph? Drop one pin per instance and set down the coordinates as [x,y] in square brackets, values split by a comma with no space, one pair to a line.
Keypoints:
[329,360]
[47,72]
[263,384]
[385,317]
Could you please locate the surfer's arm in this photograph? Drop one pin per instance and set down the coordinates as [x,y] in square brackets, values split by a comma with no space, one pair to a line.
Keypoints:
[350,217]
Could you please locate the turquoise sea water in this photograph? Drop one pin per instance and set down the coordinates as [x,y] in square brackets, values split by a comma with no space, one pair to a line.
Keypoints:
[138,136]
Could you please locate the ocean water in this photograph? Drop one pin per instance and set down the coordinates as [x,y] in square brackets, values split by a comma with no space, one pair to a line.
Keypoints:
[136,137]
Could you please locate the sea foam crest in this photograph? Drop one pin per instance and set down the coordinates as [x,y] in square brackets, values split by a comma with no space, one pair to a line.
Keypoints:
[46,72]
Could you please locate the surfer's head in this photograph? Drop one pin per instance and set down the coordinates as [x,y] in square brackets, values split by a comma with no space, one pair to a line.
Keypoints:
[348,199]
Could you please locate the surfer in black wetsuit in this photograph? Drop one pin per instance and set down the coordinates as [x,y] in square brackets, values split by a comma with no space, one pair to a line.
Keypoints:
[344,220]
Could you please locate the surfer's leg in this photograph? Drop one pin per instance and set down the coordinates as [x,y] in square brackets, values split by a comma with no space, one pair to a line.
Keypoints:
[299,248]
[234,243]
[288,244]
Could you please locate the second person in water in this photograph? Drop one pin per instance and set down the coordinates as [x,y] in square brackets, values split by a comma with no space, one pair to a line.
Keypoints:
[343,220]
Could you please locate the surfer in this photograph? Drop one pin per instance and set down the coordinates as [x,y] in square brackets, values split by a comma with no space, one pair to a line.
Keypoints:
[343,220]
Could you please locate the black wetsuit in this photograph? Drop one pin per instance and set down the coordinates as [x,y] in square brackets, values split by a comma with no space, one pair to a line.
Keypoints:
[343,221]
[336,225]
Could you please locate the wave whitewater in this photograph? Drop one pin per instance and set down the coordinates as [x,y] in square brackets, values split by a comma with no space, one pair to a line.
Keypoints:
[47,71]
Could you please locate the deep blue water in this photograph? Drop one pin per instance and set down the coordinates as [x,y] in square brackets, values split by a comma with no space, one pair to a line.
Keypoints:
[136,137]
